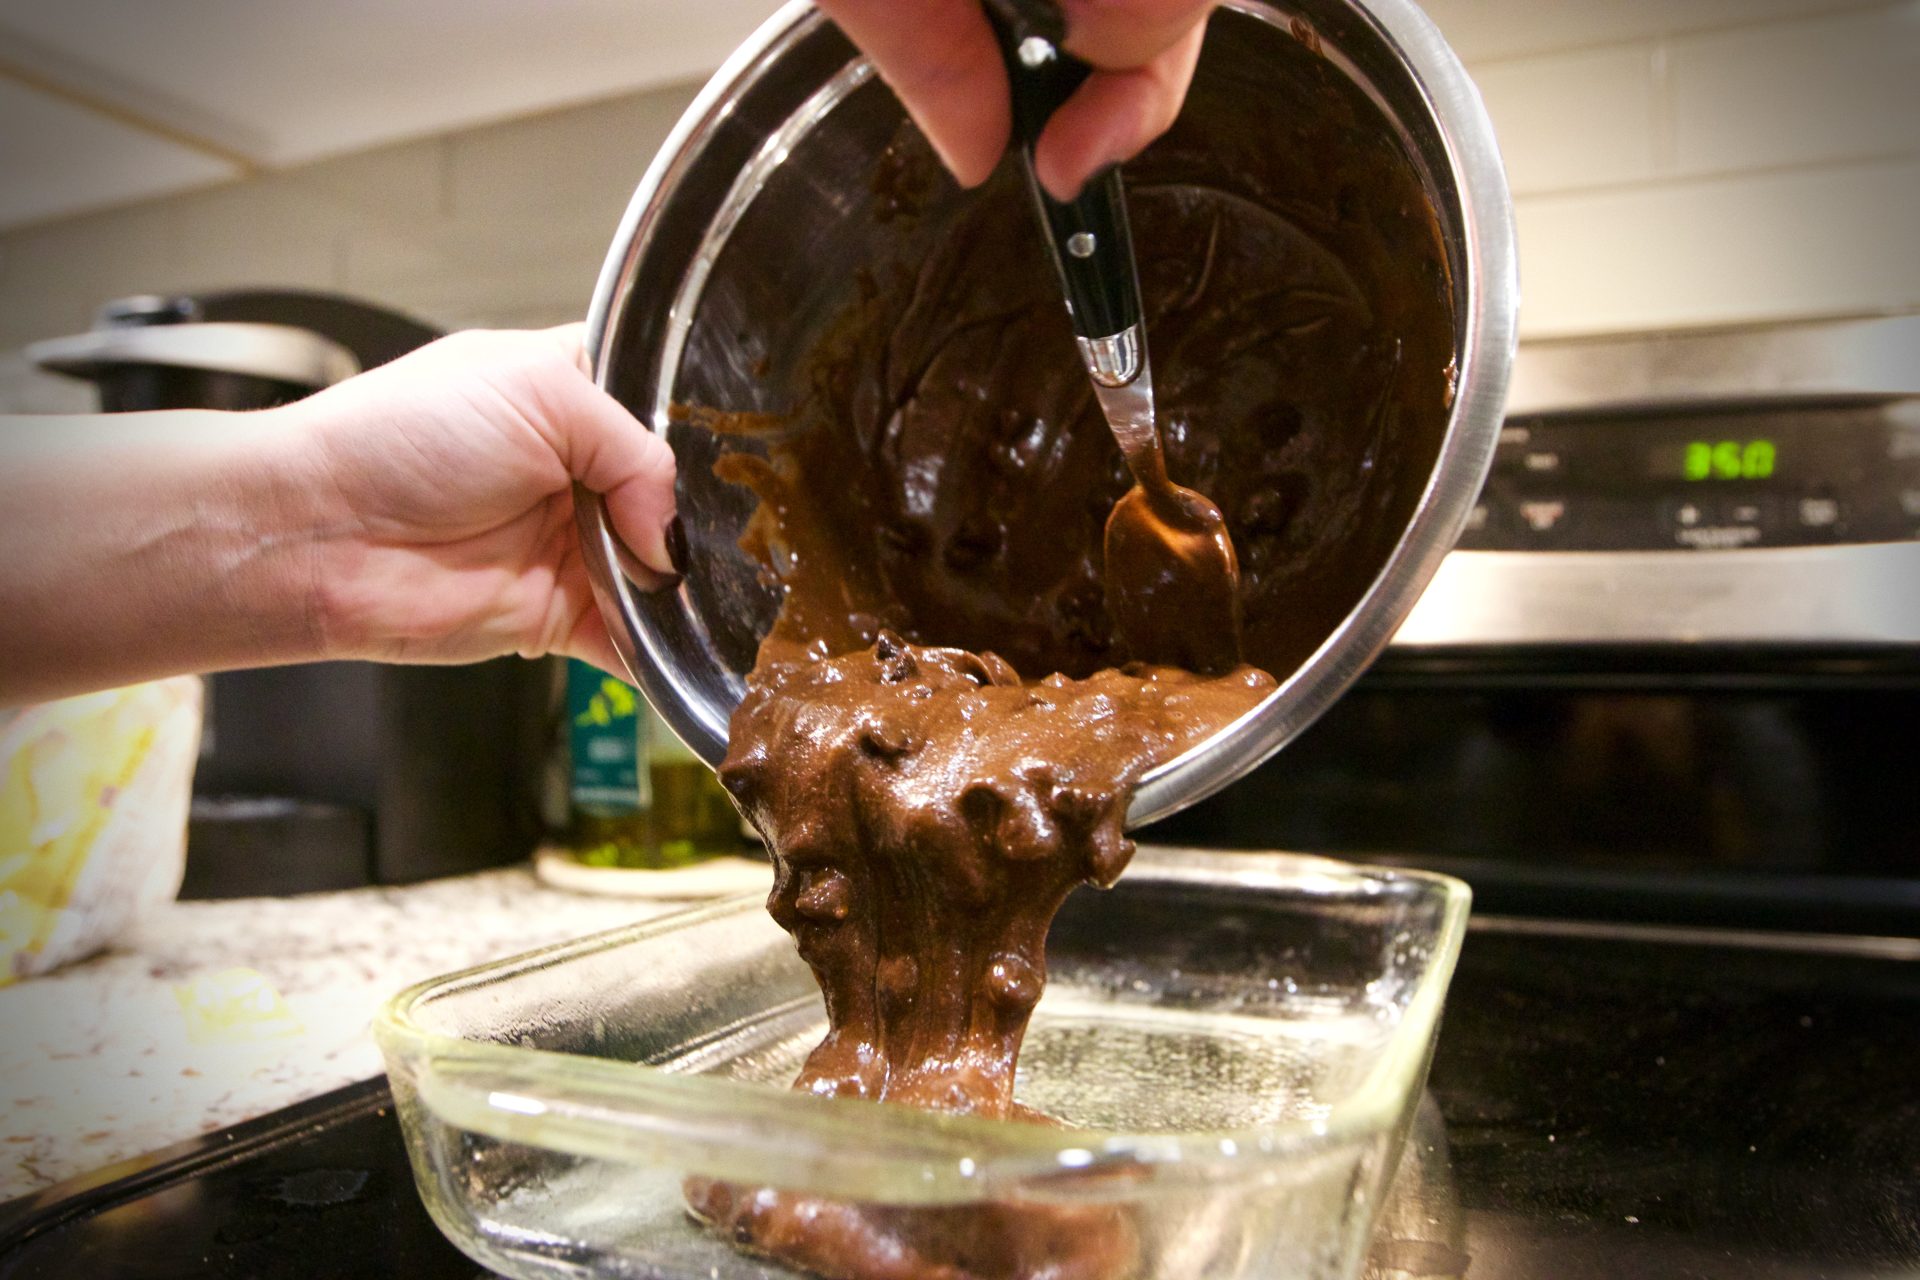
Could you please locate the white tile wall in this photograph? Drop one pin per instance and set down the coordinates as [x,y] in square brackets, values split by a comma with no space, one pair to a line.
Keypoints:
[504,225]
[1753,247]
[527,212]
[1677,162]
[1574,120]
[1837,87]
[1685,167]
[81,159]
[587,160]
[1485,29]
[252,234]
[57,274]
[504,272]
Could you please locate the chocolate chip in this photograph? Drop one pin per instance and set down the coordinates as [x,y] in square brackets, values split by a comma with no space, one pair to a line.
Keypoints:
[1074,807]
[896,661]
[826,898]
[888,742]
[1012,982]
[981,806]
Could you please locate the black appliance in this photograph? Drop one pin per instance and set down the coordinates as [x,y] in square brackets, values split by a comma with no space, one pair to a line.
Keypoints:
[1659,710]
[338,774]
[1673,670]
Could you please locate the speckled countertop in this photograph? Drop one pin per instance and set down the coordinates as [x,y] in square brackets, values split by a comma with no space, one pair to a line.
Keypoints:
[211,1013]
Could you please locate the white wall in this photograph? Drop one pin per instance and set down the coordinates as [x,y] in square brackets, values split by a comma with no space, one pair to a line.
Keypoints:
[504,225]
[1675,162]
[1690,162]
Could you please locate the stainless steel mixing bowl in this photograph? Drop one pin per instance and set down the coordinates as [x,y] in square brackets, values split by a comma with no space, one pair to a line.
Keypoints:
[738,247]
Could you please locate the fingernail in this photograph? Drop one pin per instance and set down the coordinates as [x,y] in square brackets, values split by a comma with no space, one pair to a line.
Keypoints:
[1064,195]
[1066,184]
[677,545]
[967,175]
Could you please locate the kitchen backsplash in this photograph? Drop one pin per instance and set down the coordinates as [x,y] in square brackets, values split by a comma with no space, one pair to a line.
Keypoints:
[1689,162]
[1675,162]
[501,225]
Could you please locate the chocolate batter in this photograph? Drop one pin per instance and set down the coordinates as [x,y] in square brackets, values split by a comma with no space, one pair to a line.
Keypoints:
[928,811]
[938,498]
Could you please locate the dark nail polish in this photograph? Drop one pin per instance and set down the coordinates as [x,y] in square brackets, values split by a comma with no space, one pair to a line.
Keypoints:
[677,545]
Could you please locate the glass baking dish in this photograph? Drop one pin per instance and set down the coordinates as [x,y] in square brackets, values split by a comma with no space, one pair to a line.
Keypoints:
[1233,1041]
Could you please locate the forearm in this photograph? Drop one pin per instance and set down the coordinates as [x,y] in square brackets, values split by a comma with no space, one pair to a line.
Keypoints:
[140,545]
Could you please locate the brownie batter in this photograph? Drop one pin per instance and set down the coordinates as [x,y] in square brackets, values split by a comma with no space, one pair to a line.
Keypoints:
[944,725]
[927,811]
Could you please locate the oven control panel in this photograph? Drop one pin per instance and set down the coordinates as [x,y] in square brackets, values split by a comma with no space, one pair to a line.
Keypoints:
[1707,480]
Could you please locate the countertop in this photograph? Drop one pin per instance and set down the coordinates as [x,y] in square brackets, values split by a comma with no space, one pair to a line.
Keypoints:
[1606,1101]
[211,1013]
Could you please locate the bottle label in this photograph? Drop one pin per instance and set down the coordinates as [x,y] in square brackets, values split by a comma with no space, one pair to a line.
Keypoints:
[603,727]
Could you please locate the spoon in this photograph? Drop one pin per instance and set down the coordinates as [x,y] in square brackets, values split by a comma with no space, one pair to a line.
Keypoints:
[1172,579]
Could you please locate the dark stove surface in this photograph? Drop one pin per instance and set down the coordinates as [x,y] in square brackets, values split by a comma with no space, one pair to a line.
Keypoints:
[1604,1102]
[1621,1106]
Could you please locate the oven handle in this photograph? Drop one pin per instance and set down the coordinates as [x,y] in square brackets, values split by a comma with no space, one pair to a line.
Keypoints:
[1858,594]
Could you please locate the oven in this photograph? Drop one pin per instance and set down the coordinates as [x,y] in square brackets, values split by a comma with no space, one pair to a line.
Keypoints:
[1672,672]
[1661,710]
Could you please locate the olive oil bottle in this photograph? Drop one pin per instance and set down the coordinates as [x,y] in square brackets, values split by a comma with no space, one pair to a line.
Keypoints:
[609,799]
[693,817]
[637,797]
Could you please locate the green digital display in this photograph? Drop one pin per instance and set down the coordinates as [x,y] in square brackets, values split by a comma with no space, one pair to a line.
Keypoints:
[1728,459]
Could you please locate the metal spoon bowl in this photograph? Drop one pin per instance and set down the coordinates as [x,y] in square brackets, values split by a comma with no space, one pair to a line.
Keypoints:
[1173,580]
[1171,575]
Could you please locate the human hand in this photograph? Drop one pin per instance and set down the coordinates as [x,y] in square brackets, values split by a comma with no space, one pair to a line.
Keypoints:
[941,58]
[445,527]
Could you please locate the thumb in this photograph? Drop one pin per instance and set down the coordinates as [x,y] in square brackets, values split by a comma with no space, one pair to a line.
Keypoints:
[940,58]
[610,452]
[1114,115]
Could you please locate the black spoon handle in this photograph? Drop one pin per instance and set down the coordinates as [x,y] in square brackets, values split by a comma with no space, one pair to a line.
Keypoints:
[1087,237]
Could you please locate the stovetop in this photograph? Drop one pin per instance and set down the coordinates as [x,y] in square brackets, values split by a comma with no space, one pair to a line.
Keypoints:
[1606,1101]
[1630,1102]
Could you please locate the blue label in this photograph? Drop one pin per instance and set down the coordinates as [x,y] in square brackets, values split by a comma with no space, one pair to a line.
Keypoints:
[603,732]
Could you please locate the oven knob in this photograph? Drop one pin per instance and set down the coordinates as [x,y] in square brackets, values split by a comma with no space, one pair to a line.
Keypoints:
[1485,524]
[1543,515]
[1509,453]
[1690,513]
[1819,513]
